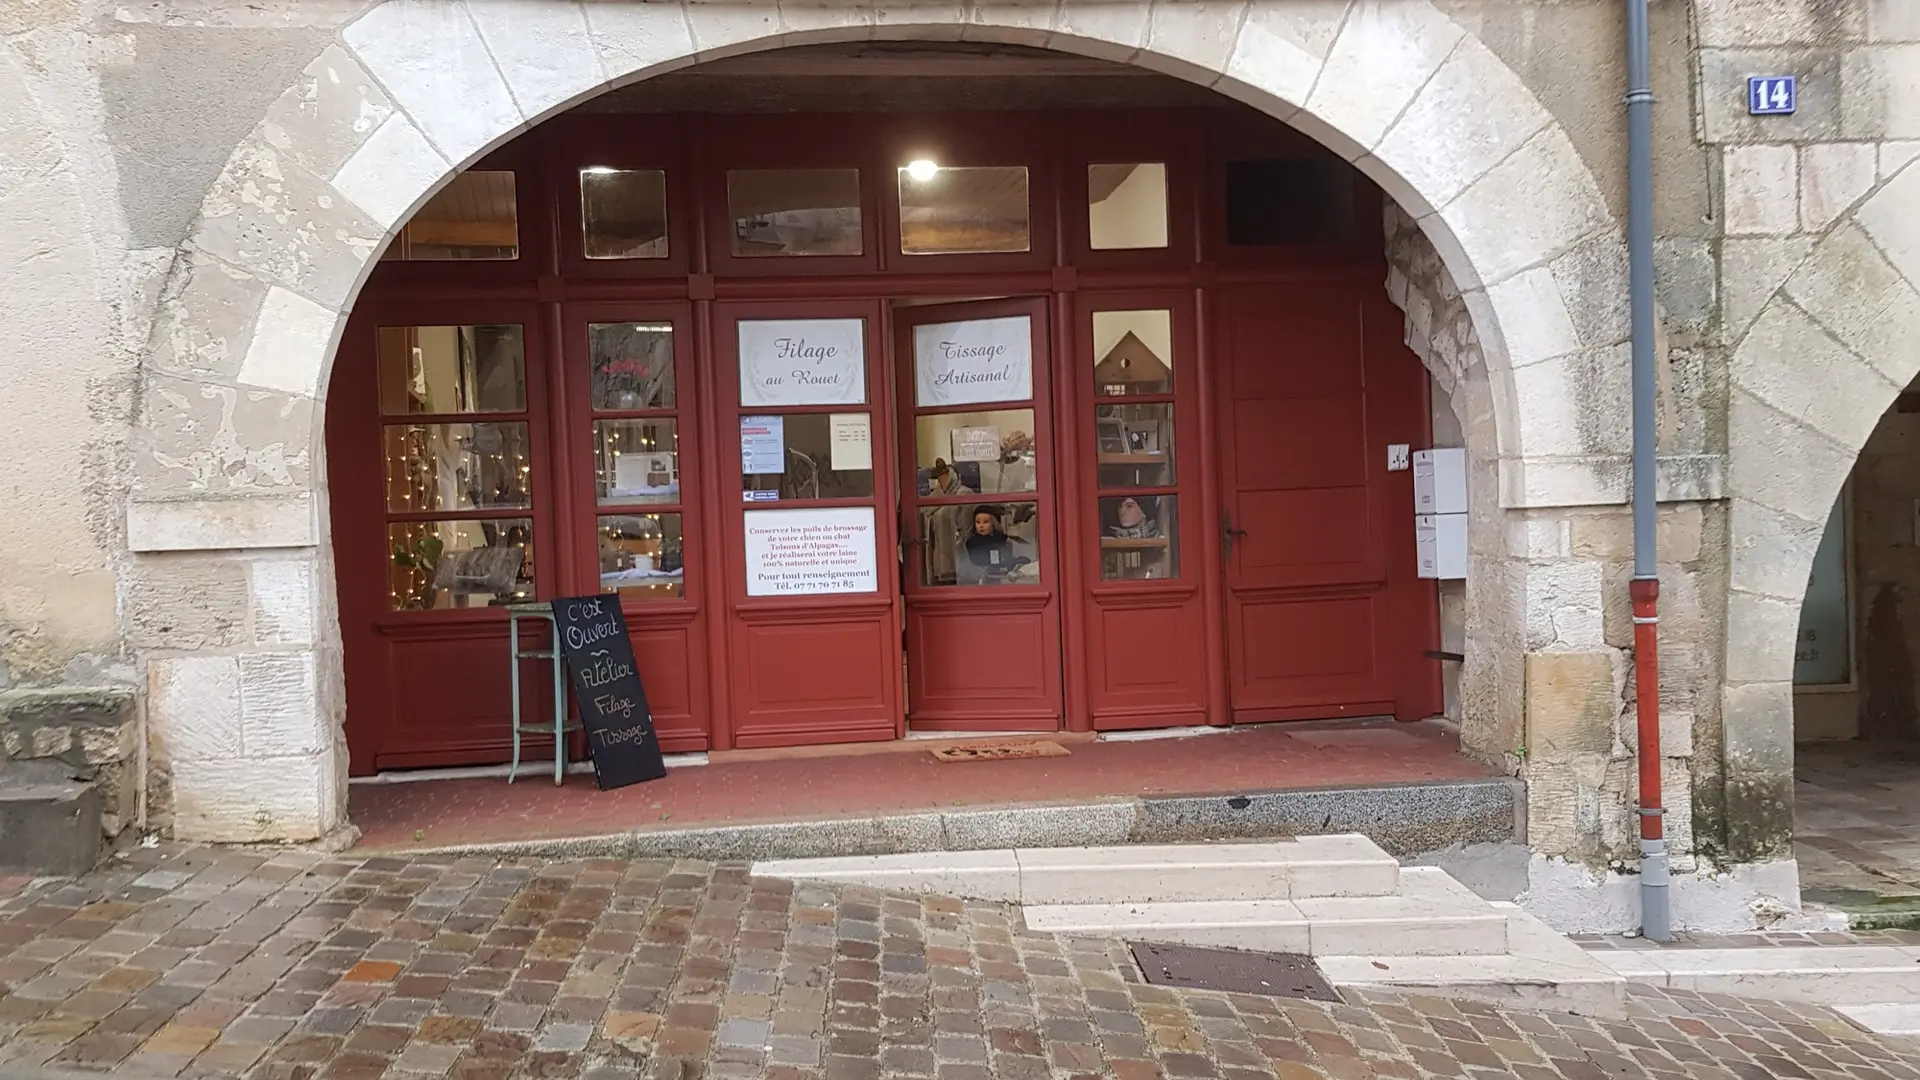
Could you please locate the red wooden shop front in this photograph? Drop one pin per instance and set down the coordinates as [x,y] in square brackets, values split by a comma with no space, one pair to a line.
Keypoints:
[1010,422]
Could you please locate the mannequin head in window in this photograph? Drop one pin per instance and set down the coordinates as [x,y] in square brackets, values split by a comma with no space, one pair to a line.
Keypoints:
[986,526]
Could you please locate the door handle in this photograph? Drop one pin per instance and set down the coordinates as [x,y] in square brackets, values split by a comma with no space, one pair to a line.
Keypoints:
[1227,533]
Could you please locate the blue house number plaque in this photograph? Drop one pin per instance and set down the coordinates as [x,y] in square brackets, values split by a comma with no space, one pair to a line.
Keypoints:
[1771,95]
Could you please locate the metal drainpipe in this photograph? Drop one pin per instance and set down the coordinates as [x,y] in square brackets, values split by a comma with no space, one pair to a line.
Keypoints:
[1655,916]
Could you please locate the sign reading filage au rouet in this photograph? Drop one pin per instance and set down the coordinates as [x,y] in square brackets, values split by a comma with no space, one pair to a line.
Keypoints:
[808,552]
[803,362]
[606,687]
[973,362]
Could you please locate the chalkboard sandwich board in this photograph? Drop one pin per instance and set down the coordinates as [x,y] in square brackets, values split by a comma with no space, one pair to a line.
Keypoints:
[606,687]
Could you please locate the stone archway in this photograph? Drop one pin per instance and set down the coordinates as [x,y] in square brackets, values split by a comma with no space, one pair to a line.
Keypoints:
[1811,377]
[246,714]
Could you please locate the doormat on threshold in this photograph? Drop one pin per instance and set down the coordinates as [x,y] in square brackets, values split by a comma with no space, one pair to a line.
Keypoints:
[1000,751]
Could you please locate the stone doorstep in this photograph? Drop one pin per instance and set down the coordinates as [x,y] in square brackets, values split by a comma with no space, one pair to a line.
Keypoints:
[1833,975]
[1308,866]
[1433,915]
[1405,819]
[1884,1019]
[1426,933]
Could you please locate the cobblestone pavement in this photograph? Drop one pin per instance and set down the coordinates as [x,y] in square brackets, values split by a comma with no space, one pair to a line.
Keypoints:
[288,966]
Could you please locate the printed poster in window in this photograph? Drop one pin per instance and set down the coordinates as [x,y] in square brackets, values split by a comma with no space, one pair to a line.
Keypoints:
[813,551]
[803,362]
[973,362]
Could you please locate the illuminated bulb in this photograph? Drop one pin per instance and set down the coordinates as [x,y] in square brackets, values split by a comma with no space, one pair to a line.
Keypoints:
[920,170]
[599,170]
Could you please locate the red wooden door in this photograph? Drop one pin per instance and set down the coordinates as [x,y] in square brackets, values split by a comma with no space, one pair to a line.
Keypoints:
[981,574]
[1325,614]
[806,494]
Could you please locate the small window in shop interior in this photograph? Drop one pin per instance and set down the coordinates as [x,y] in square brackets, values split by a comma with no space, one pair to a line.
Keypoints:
[794,211]
[1127,206]
[623,213]
[1289,201]
[963,211]
[475,217]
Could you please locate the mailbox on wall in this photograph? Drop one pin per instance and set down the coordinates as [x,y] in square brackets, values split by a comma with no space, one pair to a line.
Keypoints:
[1440,512]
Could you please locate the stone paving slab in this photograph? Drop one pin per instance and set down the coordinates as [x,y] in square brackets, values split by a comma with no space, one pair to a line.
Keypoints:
[297,966]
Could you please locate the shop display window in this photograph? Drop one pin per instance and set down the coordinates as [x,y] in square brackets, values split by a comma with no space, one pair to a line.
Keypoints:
[981,543]
[991,453]
[641,556]
[793,456]
[795,211]
[623,213]
[1127,206]
[475,217]
[1139,537]
[453,467]
[1132,352]
[966,210]
[636,461]
[446,370]
[443,564]
[1133,385]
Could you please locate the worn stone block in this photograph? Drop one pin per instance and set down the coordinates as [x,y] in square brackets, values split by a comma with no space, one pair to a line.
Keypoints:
[436,68]
[204,318]
[1762,186]
[1383,55]
[325,116]
[1786,463]
[635,40]
[1281,49]
[201,437]
[1194,40]
[1538,324]
[1851,291]
[1897,155]
[1772,551]
[186,603]
[1608,534]
[1757,726]
[292,340]
[543,49]
[1832,177]
[809,23]
[1795,366]
[1752,269]
[1572,699]
[1468,118]
[273,218]
[283,600]
[721,30]
[1676,733]
[255,521]
[1563,208]
[279,705]
[1109,31]
[193,708]
[104,745]
[249,800]
[1888,217]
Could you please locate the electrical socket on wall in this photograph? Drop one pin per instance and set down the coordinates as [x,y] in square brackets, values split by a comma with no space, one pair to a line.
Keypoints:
[1398,453]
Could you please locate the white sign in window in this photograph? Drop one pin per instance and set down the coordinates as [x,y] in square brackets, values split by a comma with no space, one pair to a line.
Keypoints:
[809,552]
[803,362]
[973,362]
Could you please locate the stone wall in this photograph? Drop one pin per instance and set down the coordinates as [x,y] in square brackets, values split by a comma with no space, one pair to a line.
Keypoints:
[94,735]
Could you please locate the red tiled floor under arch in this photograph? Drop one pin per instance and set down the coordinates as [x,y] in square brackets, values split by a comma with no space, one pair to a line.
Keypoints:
[901,777]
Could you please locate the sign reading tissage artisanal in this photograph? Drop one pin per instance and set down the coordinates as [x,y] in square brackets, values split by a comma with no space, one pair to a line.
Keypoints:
[606,687]
[973,362]
[801,552]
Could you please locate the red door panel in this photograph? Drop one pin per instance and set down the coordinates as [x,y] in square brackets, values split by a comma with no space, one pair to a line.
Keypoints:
[983,647]
[1325,617]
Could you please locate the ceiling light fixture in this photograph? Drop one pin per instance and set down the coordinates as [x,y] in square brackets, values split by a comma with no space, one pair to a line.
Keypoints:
[921,170]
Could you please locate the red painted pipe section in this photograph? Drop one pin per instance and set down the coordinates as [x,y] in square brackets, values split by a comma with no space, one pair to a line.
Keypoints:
[1646,700]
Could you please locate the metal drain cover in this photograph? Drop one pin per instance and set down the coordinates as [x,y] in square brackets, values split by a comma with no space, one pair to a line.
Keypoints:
[1232,971]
